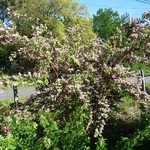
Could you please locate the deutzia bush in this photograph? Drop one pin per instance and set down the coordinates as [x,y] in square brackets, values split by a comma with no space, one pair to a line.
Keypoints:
[82,72]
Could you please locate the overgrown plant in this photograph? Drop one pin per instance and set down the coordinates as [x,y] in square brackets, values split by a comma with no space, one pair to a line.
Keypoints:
[83,72]
[22,131]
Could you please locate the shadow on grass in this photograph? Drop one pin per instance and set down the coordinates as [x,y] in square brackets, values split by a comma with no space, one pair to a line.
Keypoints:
[116,129]
[16,105]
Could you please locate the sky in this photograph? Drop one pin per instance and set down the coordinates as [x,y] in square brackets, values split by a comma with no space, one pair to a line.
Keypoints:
[133,7]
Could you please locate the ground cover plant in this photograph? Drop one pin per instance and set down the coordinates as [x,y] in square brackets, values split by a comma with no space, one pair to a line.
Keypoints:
[82,80]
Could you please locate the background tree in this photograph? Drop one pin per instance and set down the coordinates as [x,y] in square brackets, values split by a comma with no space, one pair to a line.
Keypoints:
[4,16]
[5,51]
[105,23]
[57,14]
[125,17]
[3,10]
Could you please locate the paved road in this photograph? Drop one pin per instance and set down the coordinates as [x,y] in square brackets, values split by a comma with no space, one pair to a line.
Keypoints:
[27,92]
[22,92]
[147,79]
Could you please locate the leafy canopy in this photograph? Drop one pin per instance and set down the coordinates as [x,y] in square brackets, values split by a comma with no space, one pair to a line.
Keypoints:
[57,14]
[105,23]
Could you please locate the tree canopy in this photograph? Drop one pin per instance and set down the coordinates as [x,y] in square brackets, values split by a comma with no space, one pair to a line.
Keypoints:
[105,23]
[57,14]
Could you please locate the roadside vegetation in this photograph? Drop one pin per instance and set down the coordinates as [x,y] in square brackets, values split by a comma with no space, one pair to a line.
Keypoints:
[84,100]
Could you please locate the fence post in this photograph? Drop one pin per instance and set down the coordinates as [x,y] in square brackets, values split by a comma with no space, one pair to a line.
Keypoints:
[143,81]
[15,91]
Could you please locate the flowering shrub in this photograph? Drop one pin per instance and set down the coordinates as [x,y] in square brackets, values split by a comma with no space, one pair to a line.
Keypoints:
[26,79]
[78,73]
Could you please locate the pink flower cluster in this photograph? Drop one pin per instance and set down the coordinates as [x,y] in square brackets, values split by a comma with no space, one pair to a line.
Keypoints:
[5,129]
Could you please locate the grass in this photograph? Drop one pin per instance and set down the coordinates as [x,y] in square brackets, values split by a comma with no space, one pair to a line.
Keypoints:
[7,102]
[128,110]
[127,104]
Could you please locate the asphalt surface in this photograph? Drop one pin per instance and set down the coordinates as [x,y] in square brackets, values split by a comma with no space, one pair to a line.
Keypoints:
[22,92]
[147,79]
[28,91]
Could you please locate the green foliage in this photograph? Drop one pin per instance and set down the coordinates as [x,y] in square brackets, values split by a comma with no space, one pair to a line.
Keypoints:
[1,73]
[125,17]
[50,134]
[93,73]
[140,140]
[105,23]
[22,133]
[81,79]
[58,15]
[66,135]
[101,144]
[5,52]
[29,132]
[4,110]
[124,133]
[3,7]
